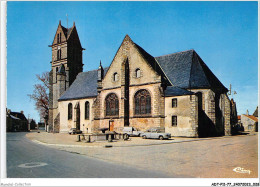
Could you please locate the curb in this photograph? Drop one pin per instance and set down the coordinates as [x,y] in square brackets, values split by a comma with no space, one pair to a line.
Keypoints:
[151,144]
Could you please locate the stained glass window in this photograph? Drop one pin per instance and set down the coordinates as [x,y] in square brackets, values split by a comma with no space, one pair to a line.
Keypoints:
[142,102]
[112,105]
[70,111]
[86,110]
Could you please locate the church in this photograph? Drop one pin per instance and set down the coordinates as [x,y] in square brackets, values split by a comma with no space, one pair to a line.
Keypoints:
[176,92]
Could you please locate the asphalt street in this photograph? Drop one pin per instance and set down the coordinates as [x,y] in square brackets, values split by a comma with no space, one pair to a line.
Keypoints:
[26,159]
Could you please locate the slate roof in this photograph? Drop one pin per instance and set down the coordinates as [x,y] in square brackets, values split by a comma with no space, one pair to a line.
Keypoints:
[187,70]
[175,91]
[13,117]
[18,115]
[66,31]
[84,86]
[183,71]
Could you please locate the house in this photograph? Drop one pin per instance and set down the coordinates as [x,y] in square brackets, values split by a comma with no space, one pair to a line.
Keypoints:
[16,121]
[249,122]
[175,92]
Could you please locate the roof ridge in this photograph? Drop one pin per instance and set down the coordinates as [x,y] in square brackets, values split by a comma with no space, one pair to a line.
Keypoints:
[92,70]
[176,53]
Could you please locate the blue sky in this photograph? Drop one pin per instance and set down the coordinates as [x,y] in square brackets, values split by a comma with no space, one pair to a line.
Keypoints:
[224,34]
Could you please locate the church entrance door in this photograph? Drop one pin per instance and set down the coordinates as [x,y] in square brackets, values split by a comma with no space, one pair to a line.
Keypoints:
[111,125]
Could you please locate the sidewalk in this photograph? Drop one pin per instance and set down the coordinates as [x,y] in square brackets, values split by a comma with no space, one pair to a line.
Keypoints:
[66,140]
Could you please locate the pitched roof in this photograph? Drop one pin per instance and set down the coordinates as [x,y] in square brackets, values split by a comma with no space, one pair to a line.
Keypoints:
[252,117]
[18,115]
[182,70]
[66,31]
[175,91]
[84,86]
[13,117]
[256,112]
[187,70]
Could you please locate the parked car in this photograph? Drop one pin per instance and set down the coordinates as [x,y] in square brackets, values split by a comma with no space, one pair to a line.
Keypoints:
[132,131]
[155,133]
[74,131]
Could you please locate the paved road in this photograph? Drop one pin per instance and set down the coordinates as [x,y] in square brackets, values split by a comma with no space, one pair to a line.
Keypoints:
[23,155]
[206,158]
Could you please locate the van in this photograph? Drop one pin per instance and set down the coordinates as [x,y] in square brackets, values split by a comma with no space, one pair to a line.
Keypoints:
[132,131]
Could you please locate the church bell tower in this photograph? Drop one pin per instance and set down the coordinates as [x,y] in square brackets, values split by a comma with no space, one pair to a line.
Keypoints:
[66,63]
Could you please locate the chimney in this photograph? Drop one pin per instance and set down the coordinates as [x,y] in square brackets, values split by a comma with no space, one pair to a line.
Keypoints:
[247,113]
[22,111]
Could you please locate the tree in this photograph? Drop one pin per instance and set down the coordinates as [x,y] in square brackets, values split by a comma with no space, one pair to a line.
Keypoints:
[41,95]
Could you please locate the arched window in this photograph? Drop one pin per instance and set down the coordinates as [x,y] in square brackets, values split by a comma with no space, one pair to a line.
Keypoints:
[86,110]
[115,77]
[137,73]
[142,102]
[69,111]
[112,105]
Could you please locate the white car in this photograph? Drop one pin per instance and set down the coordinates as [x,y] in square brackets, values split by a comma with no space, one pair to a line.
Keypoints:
[155,133]
[132,131]
[74,131]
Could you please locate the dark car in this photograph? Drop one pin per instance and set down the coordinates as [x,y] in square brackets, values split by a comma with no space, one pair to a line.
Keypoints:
[74,131]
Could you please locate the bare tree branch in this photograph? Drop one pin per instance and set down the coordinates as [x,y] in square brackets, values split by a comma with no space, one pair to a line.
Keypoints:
[41,95]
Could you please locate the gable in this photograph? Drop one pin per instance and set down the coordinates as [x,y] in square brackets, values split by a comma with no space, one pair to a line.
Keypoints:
[66,34]
[137,58]
[60,30]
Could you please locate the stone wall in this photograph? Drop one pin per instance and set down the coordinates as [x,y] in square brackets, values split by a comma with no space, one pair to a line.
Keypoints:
[71,58]
[227,116]
[248,124]
[187,116]
[148,80]
[86,125]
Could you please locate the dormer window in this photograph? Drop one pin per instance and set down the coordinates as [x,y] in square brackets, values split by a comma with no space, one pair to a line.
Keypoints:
[137,73]
[115,77]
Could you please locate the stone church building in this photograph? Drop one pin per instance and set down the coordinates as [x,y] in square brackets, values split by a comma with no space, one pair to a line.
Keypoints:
[176,92]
